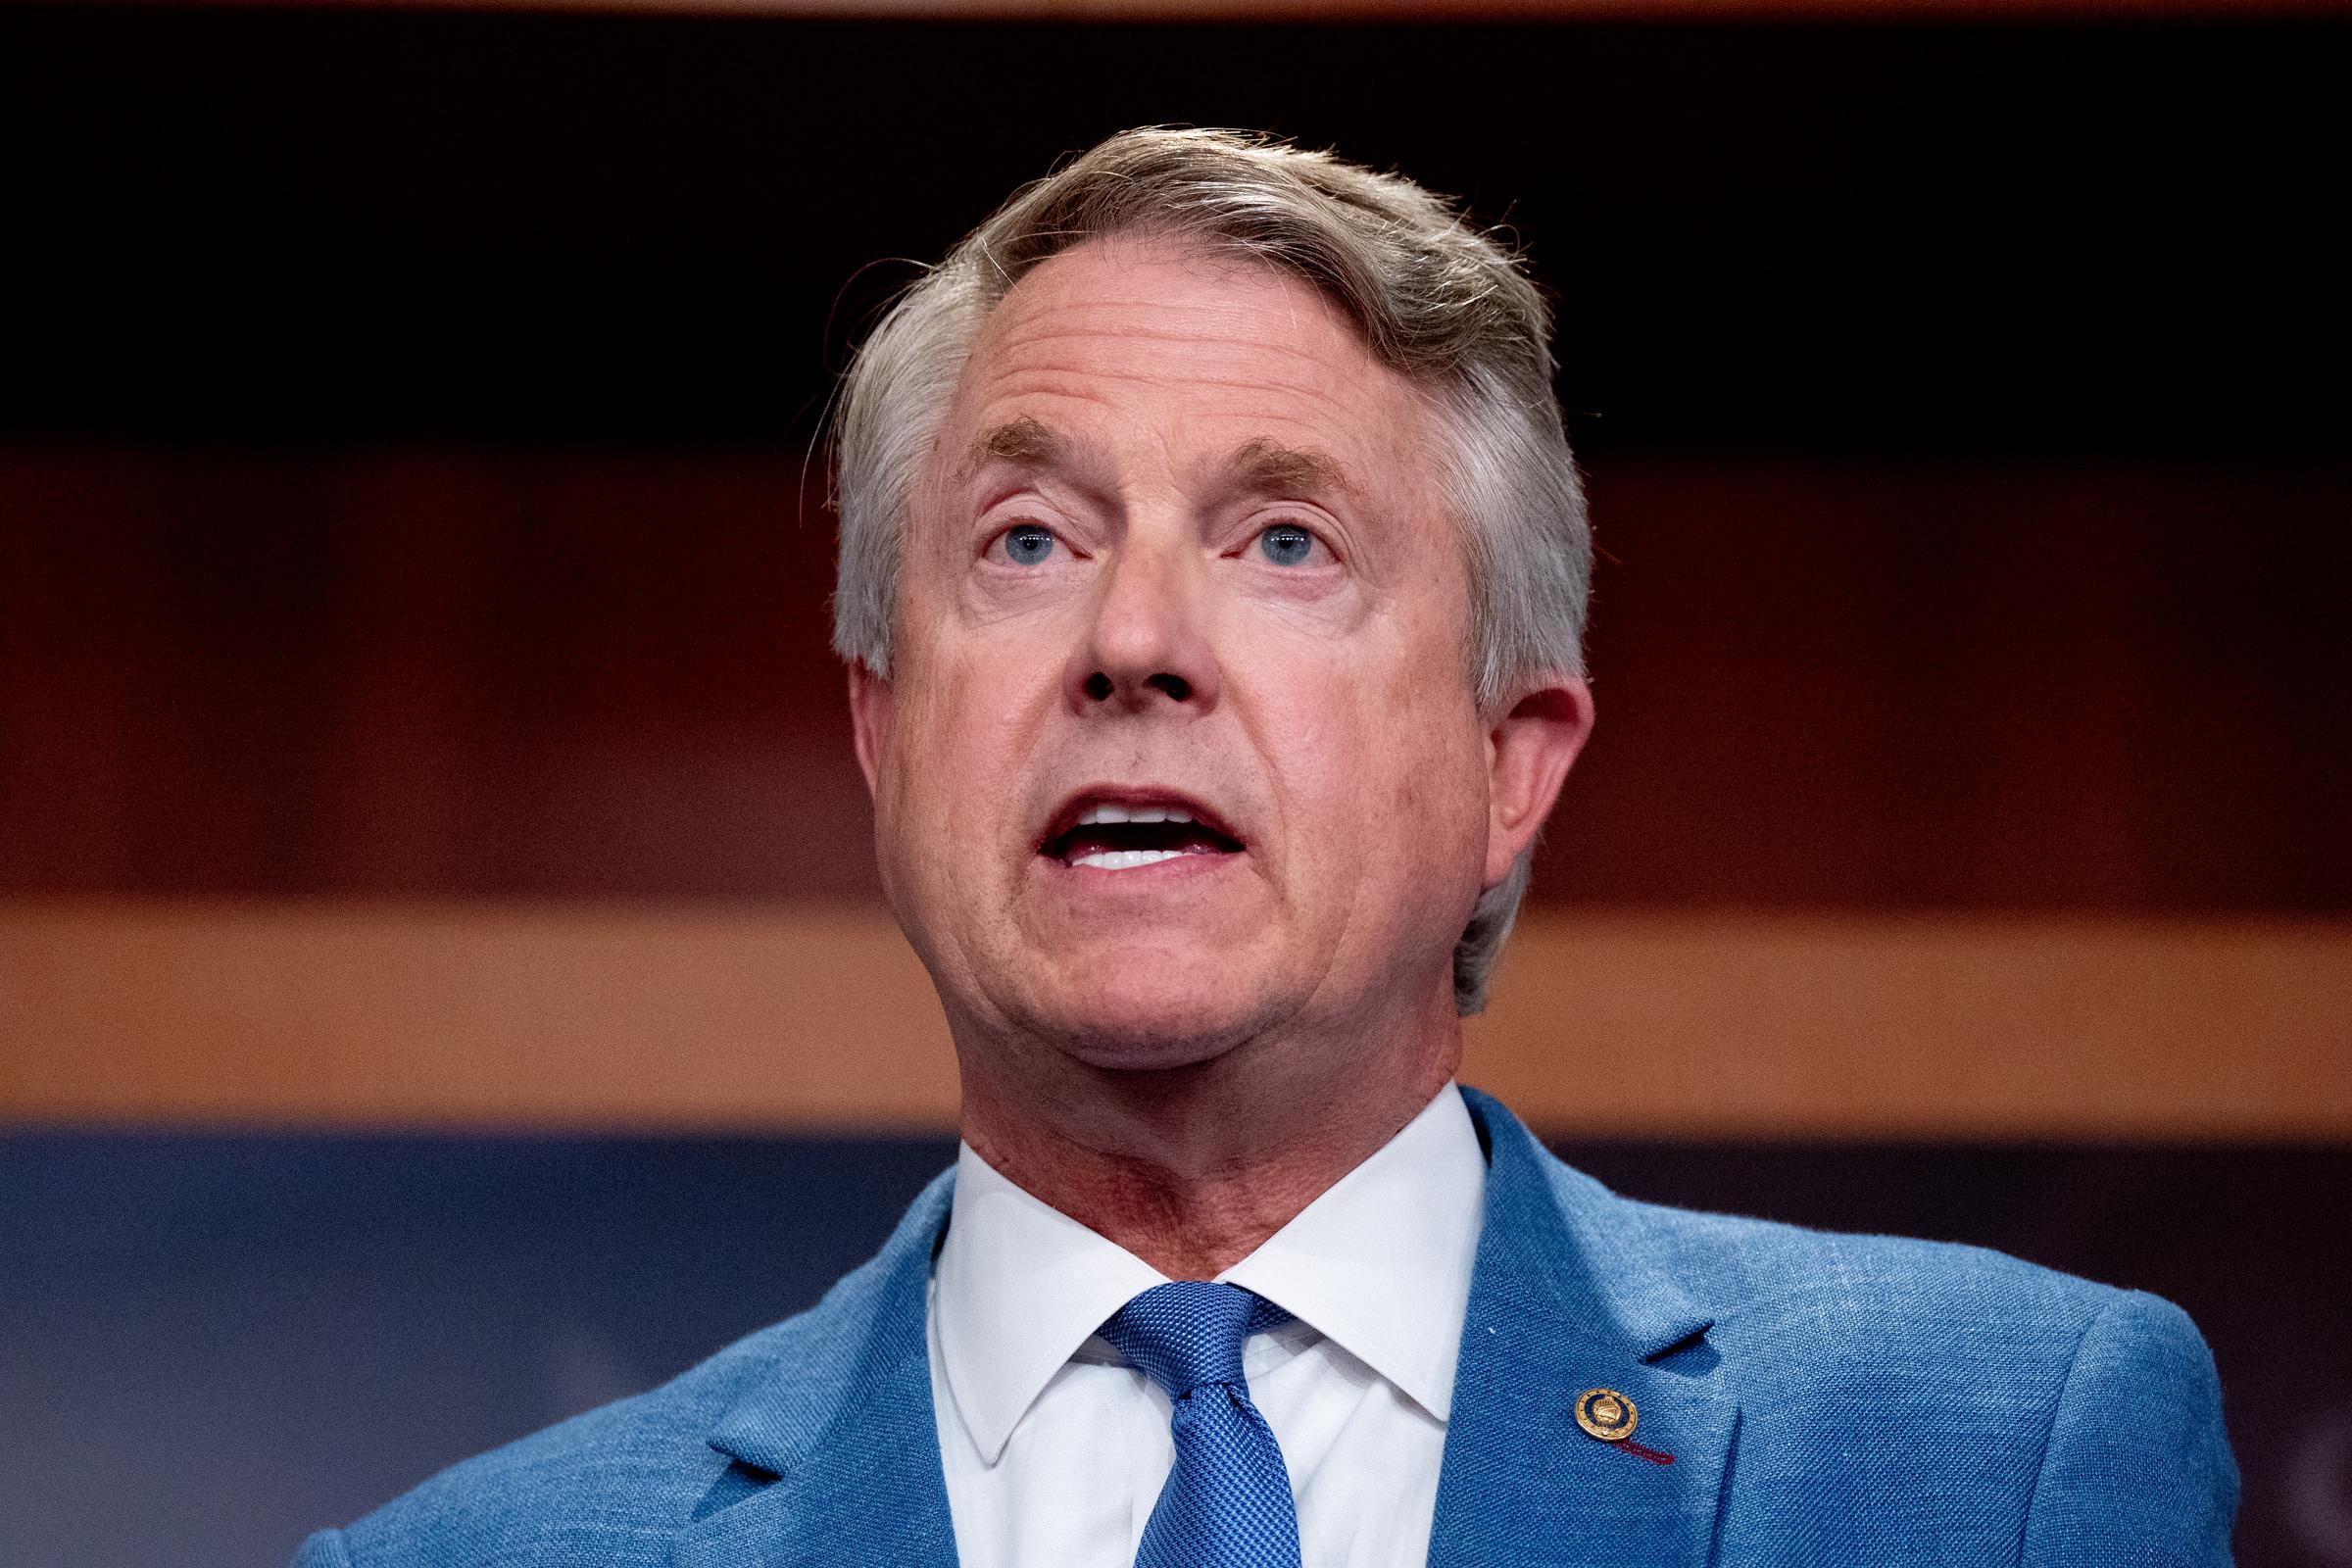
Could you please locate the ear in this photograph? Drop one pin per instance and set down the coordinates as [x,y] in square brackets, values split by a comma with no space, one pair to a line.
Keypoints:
[870,701]
[1529,751]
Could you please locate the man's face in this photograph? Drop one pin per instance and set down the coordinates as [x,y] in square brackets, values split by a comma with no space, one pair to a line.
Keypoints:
[1179,553]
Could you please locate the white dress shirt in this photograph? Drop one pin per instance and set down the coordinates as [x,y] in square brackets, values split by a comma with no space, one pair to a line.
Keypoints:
[1055,1450]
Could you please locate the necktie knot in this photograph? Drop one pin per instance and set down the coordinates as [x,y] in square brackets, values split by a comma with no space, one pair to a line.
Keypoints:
[1227,1502]
[1188,1334]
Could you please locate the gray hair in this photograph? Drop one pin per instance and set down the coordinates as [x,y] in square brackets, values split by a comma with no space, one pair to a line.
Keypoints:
[1442,305]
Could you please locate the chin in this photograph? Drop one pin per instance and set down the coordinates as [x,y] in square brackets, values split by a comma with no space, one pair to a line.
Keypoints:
[1153,1023]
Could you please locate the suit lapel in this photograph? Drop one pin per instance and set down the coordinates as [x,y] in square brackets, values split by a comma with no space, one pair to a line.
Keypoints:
[1567,1296]
[841,1417]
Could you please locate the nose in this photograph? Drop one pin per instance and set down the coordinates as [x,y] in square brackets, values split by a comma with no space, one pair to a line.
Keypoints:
[1147,646]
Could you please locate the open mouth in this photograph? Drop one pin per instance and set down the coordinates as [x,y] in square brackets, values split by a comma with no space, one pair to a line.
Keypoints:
[1110,836]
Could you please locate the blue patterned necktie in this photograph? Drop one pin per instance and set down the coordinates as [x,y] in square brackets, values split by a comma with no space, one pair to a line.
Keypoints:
[1227,1503]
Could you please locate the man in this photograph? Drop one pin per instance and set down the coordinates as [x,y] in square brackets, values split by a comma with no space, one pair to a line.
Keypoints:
[1212,574]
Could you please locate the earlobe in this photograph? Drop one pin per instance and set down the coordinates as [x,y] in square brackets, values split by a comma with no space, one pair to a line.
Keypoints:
[1529,751]
[869,718]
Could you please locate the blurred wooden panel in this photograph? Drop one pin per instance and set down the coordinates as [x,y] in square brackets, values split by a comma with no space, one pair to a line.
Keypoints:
[2058,685]
[1882,684]
[819,1017]
[506,1016]
[1921,1026]
[555,672]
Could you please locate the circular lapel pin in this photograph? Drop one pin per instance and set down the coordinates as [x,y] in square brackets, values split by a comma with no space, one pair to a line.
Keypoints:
[1606,1414]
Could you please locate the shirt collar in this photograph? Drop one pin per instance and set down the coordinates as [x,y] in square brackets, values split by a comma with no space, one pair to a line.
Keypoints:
[1380,1262]
[1020,1287]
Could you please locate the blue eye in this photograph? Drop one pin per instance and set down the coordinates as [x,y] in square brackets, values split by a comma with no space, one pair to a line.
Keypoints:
[1286,545]
[1029,545]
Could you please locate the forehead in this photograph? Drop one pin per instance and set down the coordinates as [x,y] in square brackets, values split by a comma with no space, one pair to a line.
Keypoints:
[1166,344]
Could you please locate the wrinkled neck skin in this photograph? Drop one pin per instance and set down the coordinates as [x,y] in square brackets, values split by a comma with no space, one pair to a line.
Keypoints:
[1192,1167]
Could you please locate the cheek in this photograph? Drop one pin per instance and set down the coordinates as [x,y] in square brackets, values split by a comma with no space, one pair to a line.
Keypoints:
[921,751]
[961,734]
[1393,777]
[1431,756]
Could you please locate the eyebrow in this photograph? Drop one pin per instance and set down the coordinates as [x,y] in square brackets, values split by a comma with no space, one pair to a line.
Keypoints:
[1262,465]
[1269,466]
[1023,442]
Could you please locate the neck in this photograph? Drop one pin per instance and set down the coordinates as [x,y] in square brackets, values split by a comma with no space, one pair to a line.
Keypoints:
[1191,1169]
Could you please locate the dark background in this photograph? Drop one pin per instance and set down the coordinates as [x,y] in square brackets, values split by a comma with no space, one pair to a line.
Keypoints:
[1925,237]
[402,428]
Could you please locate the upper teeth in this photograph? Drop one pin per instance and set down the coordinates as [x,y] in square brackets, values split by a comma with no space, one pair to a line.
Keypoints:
[1133,813]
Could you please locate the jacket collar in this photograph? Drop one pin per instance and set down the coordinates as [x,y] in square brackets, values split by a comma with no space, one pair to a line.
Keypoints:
[839,1411]
[1571,1293]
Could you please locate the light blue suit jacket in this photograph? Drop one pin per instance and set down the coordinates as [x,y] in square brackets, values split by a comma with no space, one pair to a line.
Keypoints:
[1824,1399]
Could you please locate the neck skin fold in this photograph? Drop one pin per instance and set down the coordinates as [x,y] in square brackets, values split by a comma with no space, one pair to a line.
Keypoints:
[1192,1167]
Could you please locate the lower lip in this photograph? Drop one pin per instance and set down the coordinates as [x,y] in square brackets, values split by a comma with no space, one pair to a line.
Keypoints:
[1157,874]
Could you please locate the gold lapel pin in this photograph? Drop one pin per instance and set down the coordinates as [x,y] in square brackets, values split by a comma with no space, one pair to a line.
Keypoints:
[1606,1414]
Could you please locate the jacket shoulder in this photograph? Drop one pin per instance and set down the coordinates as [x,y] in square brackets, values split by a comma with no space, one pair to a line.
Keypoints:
[612,1487]
[1766,1272]
[615,1486]
[2086,1416]
[1835,1307]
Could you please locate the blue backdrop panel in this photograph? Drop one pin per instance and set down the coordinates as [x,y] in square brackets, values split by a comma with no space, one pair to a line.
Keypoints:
[211,1343]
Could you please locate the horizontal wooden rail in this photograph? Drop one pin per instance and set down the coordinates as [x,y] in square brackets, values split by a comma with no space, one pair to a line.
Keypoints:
[819,1018]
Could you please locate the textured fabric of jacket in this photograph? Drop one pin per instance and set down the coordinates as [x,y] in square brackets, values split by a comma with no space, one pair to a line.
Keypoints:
[1799,1398]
